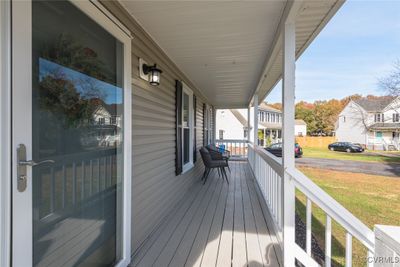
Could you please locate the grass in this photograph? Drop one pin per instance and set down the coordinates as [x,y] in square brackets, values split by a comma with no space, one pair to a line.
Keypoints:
[371,198]
[365,156]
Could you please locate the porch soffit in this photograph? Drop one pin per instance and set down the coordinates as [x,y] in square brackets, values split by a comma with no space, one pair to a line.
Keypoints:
[224,47]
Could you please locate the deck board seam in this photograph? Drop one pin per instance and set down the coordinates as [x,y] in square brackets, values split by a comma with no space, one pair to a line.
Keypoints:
[220,232]
[212,220]
[173,232]
[233,219]
[162,224]
[254,217]
[218,183]
[259,196]
[243,213]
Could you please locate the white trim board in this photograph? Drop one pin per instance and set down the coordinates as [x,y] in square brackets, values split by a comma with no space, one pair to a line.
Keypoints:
[188,166]
[5,133]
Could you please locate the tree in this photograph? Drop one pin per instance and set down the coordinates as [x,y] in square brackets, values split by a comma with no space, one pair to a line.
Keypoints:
[391,83]
[277,106]
[305,111]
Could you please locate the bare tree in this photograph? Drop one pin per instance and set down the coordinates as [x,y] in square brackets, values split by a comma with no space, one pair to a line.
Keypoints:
[360,116]
[391,83]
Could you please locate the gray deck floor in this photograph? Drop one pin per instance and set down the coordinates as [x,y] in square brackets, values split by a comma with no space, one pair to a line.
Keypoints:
[215,225]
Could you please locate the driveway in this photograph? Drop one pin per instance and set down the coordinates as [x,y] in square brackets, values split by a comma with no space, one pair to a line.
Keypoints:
[375,168]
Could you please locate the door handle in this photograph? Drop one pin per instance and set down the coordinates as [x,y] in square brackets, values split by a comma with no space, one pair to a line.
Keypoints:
[32,163]
[22,164]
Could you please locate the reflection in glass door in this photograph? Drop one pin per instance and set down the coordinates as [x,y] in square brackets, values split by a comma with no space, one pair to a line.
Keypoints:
[77,115]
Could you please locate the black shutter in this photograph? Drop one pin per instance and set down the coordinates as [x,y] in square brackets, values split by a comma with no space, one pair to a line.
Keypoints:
[178,113]
[204,124]
[194,129]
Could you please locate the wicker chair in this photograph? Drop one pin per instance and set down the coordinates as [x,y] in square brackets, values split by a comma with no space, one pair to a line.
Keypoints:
[217,154]
[210,164]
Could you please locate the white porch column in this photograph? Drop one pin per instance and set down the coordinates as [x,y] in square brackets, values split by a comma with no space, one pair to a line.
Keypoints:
[387,246]
[214,134]
[248,123]
[289,46]
[255,119]
[265,138]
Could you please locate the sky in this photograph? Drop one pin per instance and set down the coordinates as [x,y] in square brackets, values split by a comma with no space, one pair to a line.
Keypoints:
[357,47]
[109,93]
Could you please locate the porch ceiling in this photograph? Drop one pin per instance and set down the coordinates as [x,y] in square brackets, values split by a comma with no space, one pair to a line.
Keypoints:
[230,49]
[220,45]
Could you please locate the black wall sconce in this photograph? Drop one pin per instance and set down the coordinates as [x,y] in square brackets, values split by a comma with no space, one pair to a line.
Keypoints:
[152,74]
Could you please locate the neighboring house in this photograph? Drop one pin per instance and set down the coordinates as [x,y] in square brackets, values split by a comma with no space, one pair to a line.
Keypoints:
[374,123]
[107,122]
[232,124]
[270,124]
[300,128]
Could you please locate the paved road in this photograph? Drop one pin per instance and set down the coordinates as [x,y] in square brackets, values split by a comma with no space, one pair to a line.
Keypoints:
[385,169]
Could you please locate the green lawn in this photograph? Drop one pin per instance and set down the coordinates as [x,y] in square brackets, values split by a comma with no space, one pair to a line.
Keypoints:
[373,199]
[393,157]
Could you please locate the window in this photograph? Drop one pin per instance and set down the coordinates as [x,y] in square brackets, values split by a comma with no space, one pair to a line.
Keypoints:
[208,115]
[221,134]
[102,121]
[184,128]
[344,118]
[378,117]
[396,117]
[245,133]
[187,126]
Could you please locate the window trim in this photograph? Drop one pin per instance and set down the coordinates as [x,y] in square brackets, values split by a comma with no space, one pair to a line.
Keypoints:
[379,117]
[188,166]
[396,117]
[221,134]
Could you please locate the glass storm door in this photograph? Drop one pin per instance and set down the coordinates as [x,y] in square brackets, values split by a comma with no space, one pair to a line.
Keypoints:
[68,123]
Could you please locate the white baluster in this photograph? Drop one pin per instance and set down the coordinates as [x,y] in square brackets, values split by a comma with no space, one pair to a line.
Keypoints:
[328,241]
[370,262]
[349,250]
[308,225]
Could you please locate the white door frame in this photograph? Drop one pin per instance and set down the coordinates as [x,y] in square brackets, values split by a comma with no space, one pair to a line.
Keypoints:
[22,253]
[5,133]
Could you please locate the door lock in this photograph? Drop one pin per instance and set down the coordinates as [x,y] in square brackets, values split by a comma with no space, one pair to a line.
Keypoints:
[22,163]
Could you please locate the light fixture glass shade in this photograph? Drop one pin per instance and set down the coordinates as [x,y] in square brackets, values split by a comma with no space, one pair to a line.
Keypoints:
[153,73]
[155,77]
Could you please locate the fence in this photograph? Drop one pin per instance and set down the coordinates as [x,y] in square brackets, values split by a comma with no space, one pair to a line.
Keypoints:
[315,141]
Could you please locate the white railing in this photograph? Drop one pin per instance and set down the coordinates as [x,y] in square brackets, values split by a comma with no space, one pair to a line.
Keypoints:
[334,211]
[269,173]
[237,147]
